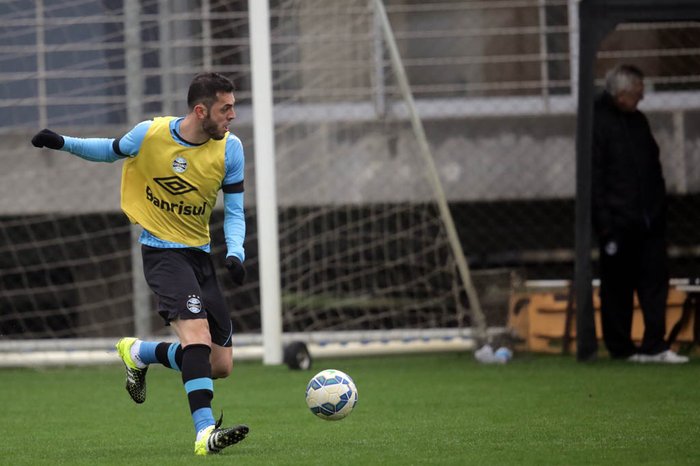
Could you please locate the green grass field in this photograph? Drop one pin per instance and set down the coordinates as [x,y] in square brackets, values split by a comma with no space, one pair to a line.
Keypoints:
[416,409]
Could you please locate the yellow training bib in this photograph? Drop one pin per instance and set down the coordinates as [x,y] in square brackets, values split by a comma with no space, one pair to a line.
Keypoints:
[170,189]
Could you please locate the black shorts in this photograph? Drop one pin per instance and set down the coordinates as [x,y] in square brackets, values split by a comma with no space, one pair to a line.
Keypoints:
[185,282]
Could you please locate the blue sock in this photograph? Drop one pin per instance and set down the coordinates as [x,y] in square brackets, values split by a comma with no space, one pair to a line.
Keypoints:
[167,354]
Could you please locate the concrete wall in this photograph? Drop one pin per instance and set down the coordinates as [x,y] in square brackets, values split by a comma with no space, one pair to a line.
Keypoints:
[490,159]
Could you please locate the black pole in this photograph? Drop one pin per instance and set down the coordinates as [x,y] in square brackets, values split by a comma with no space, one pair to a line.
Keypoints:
[586,342]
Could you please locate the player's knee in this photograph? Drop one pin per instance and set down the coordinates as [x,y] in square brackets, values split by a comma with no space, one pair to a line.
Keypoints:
[193,332]
[222,370]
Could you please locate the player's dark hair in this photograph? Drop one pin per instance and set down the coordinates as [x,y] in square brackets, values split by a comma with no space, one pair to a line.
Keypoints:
[205,86]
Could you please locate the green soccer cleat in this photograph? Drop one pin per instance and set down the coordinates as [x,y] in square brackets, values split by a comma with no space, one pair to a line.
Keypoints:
[215,439]
[135,377]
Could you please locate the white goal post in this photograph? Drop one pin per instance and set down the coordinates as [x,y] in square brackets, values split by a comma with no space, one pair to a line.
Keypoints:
[265,177]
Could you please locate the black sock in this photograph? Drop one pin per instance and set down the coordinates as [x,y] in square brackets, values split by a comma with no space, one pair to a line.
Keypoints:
[169,355]
[199,386]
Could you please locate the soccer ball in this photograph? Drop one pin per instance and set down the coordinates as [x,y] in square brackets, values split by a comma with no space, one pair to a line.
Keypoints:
[331,395]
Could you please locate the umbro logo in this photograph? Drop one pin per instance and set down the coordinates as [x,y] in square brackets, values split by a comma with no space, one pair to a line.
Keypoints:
[175,185]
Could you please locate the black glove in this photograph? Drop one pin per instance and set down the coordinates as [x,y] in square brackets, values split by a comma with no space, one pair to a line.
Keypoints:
[47,138]
[235,269]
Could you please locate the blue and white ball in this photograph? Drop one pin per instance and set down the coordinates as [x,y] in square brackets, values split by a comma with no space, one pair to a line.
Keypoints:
[331,395]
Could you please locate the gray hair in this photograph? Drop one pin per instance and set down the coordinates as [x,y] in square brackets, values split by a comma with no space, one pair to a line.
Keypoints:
[622,78]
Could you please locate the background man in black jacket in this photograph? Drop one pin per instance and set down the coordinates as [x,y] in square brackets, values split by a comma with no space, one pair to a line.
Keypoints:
[629,214]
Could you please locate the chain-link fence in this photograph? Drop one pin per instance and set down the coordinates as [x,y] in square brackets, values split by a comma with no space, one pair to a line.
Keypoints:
[494,83]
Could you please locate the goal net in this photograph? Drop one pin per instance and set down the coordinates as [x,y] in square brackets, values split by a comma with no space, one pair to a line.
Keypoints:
[364,227]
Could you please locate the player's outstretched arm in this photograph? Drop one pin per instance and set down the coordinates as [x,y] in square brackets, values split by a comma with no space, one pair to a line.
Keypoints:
[93,149]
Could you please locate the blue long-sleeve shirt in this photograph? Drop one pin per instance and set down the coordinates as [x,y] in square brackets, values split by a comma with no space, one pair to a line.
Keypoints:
[111,150]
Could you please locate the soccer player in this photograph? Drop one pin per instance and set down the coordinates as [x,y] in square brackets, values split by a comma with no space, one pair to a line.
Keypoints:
[172,173]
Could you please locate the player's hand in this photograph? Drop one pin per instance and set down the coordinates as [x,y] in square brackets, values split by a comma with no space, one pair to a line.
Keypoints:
[47,138]
[235,269]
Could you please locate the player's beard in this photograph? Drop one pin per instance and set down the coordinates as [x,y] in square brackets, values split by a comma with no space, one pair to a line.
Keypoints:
[212,130]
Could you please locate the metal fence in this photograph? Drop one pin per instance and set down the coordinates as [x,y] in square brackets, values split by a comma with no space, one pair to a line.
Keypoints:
[494,82]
